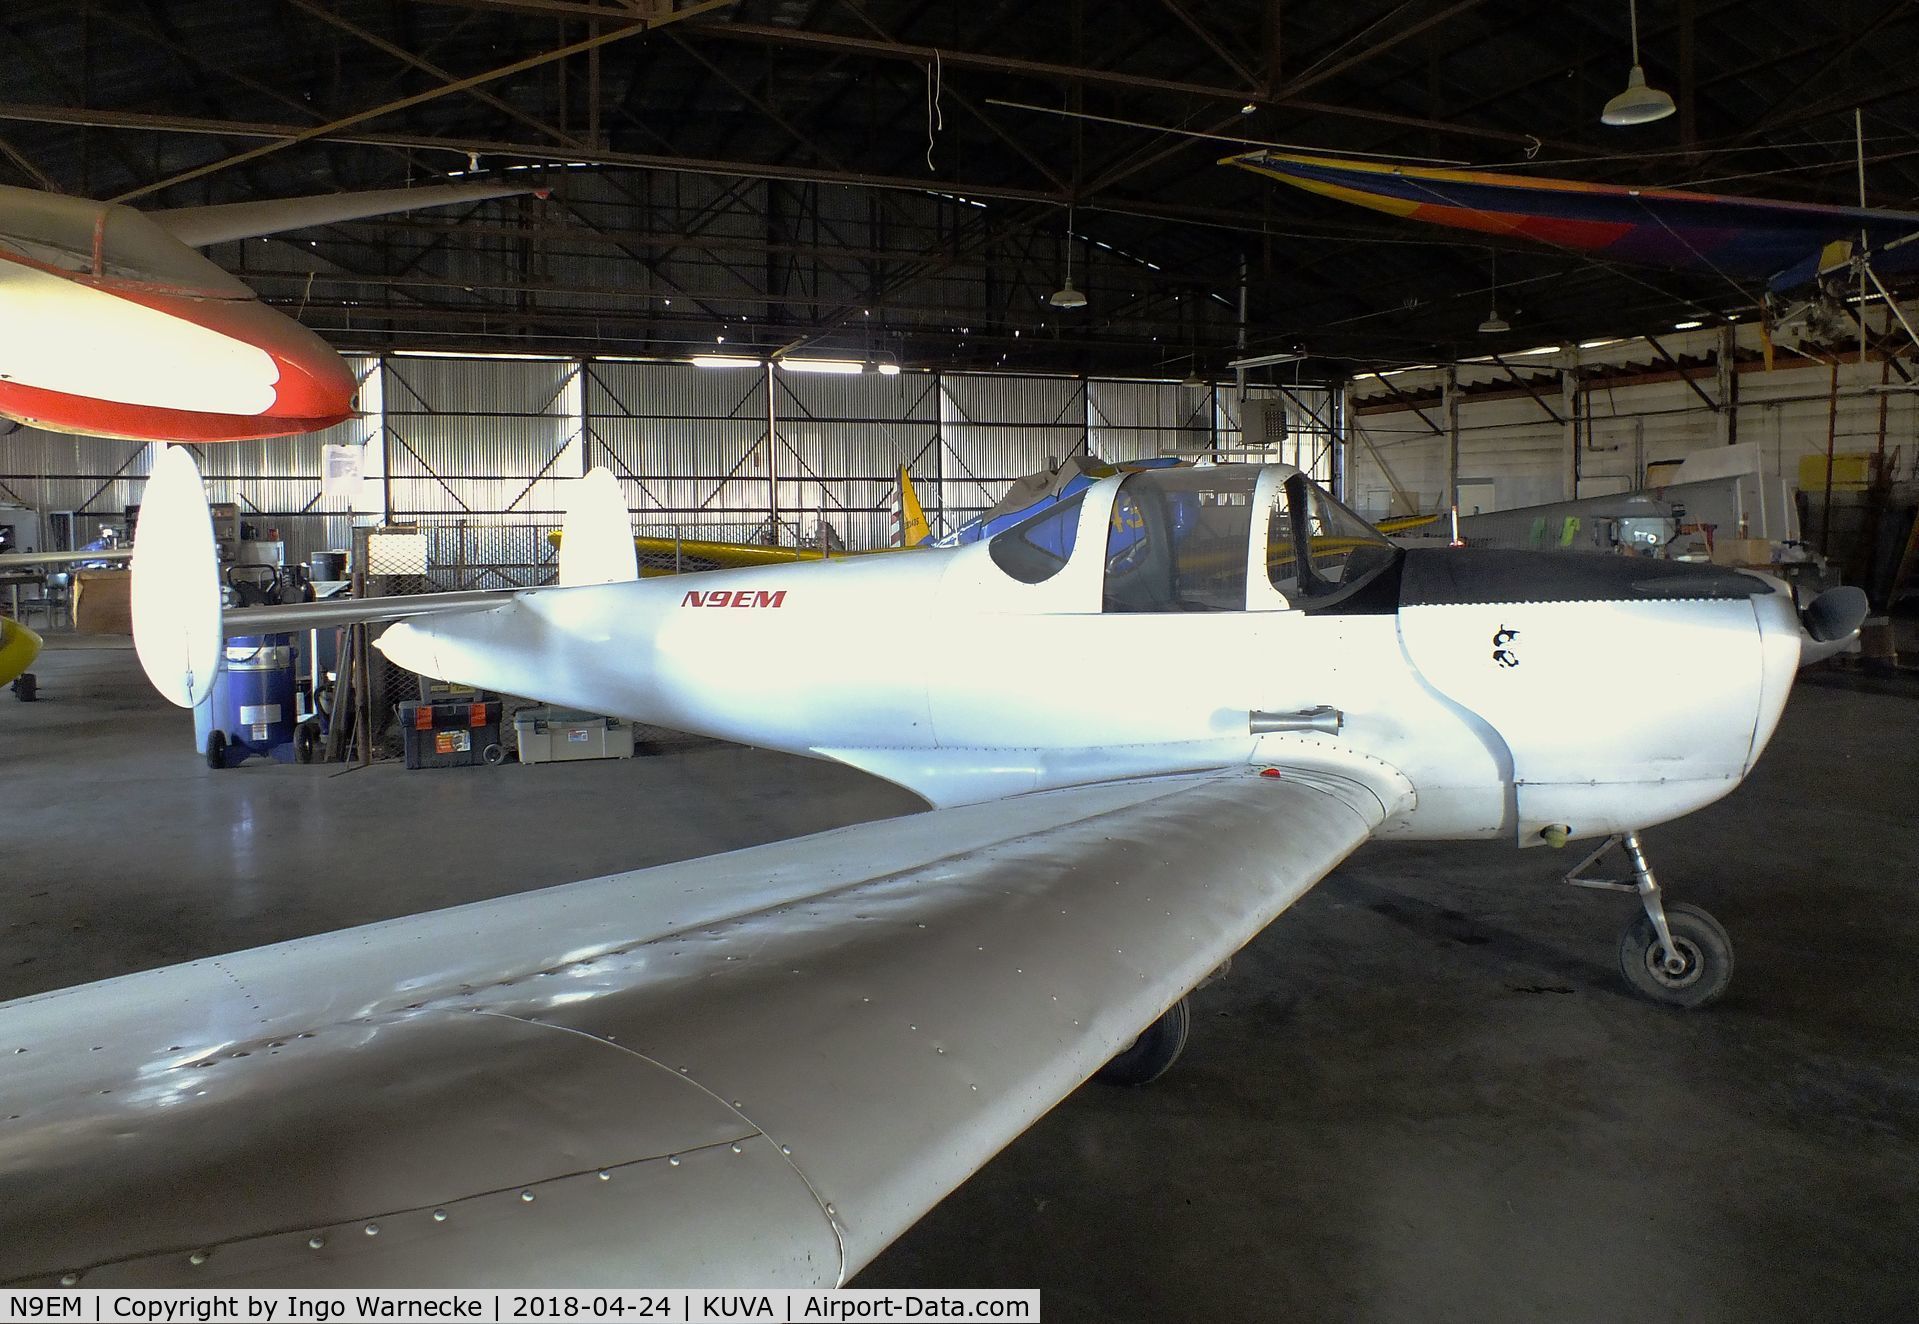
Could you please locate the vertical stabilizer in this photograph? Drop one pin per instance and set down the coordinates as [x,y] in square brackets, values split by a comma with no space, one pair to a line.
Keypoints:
[176,582]
[908,528]
[596,537]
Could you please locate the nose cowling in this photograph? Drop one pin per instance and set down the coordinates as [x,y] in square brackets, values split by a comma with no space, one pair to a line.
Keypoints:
[1621,692]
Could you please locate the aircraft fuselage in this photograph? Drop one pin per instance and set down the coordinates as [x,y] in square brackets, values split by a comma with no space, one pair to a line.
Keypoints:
[1480,694]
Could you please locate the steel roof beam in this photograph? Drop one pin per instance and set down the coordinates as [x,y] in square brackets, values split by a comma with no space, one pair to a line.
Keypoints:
[420,98]
[798,39]
[1252,81]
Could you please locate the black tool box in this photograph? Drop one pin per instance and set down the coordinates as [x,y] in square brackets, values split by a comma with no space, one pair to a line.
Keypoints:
[451,735]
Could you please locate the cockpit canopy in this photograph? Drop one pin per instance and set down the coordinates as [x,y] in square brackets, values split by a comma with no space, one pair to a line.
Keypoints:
[106,241]
[1181,540]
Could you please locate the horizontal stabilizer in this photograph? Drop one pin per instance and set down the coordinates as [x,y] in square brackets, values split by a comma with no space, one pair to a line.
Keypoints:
[176,585]
[596,537]
[22,560]
[199,226]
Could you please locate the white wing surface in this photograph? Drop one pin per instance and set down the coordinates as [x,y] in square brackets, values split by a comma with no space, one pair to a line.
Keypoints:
[224,222]
[757,1068]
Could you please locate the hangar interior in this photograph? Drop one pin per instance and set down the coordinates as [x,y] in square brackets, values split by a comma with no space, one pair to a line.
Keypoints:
[762,256]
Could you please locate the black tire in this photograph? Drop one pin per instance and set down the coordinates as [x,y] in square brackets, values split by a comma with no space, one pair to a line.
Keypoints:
[1154,1052]
[1701,941]
[217,750]
[26,687]
[493,755]
[306,741]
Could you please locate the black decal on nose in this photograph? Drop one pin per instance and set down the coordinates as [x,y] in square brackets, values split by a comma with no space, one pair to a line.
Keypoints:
[1502,652]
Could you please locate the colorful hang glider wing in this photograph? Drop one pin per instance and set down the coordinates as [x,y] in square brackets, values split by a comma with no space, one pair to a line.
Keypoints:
[1743,238]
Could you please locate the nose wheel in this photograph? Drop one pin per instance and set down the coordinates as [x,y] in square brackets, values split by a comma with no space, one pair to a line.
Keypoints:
[1676,955]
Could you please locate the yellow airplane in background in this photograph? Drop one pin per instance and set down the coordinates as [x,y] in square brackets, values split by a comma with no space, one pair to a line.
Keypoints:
[672,556]
[18,647]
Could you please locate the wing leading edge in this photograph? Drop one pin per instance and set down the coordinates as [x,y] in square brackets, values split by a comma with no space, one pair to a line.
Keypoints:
[759,1067]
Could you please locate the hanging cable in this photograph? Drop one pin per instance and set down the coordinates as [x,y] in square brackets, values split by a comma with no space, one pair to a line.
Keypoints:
[935,117]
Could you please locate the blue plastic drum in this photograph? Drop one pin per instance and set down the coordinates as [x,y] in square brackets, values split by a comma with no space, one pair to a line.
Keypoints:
[252,708]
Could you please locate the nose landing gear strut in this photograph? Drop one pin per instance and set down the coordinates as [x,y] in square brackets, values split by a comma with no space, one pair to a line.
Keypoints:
[1677,955]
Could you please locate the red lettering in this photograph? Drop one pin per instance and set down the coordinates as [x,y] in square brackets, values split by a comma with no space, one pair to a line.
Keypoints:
[721,597]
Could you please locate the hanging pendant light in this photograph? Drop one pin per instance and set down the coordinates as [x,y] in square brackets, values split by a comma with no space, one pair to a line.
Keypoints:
[1494,323]
[1068,294]
[1638,104]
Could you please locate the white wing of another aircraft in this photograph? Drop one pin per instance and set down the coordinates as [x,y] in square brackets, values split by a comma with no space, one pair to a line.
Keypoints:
[197,227]
[756,1068]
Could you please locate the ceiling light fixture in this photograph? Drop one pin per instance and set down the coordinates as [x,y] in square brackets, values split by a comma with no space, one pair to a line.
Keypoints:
[1068,295]
[723,361]
[1495,324]
[1266,360]
[843,367]
[1638,104]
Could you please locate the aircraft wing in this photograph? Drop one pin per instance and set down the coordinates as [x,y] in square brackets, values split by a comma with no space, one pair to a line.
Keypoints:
[1677,228]
[197,227]
[756,1068]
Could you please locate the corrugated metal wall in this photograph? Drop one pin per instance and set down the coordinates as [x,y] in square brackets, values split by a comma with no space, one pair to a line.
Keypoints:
[1512,454]
[475,450]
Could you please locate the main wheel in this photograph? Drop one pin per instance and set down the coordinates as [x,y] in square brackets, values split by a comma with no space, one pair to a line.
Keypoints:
[1154,1052]
[26,687]
[217,750]
[1704,967]
[306,741]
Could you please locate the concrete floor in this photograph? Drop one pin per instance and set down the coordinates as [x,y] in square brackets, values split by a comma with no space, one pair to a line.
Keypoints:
[1423,1094]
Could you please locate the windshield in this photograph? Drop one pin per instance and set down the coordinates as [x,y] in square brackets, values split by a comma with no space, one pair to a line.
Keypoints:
[1316,548]
[1036,549]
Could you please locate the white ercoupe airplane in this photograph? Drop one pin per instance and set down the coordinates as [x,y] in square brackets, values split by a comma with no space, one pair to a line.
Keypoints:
[761,1067]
